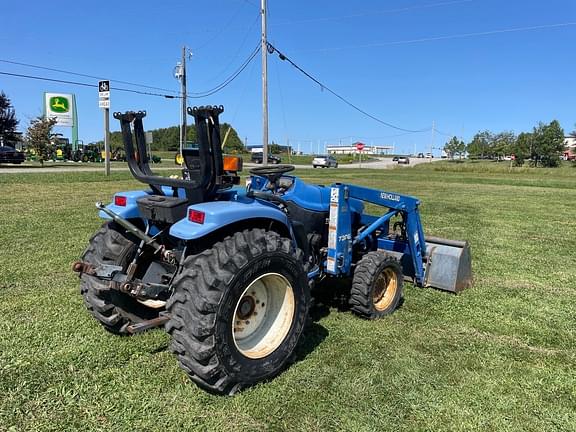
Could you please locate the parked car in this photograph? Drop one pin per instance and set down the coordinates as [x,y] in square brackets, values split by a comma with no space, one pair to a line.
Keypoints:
[11,155]
[420,155]
[395,159]
[324,161]
[258,157]
[404,160]
[429,156]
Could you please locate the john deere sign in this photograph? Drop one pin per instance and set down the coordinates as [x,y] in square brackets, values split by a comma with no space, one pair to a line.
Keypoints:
[60,106]
[63,107]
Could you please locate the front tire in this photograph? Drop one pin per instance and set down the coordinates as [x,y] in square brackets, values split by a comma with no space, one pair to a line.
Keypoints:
[114,310]
[376,286]
[238,310]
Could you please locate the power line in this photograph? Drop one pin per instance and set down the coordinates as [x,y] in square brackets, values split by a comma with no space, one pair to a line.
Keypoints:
[372,13]
[283,57]
[235,56]
[198,95]
[84,75]
[444,133]
[87,85]
[228,80]
[221,30]
[447,37]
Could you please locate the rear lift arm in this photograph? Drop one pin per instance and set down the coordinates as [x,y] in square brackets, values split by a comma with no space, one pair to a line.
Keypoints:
[340,236]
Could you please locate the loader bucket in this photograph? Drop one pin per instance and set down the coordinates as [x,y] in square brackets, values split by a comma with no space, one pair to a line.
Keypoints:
[449,264]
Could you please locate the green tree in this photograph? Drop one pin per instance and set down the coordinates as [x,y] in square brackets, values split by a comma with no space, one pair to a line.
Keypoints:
[168,139]
[521,149]
[547,144]
[233,144]
[481,145]
[455,148]
[503,144]
[39,136]
[274,148]
[8,121]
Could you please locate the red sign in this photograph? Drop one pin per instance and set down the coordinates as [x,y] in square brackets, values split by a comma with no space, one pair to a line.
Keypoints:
[359,146]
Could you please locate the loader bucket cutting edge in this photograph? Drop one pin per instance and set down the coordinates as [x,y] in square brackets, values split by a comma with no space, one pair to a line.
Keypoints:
[449,265]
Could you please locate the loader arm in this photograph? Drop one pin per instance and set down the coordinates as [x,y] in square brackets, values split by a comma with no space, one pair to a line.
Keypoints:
[439,263]
[340,237]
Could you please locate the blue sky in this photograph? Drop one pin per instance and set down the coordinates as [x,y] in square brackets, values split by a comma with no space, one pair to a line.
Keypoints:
[404,61]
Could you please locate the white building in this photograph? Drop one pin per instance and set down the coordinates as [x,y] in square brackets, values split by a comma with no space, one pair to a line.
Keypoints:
[351,149]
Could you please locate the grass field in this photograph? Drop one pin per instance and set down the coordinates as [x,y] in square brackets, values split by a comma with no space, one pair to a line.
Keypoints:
[500,356]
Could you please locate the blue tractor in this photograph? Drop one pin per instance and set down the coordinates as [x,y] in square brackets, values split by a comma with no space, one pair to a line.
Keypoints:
[228,269]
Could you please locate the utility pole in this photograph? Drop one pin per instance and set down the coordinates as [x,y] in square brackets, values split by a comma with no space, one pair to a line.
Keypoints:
[264,50]
[180,74]
[432,141]
[184,101]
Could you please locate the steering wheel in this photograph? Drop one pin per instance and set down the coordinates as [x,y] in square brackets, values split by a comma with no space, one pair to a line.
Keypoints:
[273,170]
[272,173]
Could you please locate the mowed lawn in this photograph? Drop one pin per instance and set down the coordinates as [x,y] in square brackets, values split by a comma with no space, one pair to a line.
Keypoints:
[500,356]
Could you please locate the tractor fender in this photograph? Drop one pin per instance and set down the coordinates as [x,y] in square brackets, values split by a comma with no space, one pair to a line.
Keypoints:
[218,214]
[130,210]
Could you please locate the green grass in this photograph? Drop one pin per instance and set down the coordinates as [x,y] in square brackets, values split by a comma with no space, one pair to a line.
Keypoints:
[500,356]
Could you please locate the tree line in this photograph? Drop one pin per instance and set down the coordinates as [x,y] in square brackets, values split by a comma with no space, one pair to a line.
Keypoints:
[543,146]
[168,139]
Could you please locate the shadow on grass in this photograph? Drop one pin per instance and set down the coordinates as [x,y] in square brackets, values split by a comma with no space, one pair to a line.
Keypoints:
[333,294]
[330,293]
[162,348]
[314,334]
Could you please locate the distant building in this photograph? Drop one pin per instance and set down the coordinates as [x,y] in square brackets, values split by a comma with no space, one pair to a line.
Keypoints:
[351,149]
[569,148]
[260,149]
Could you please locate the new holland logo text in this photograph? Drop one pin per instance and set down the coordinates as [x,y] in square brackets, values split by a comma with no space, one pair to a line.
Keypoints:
[389,196]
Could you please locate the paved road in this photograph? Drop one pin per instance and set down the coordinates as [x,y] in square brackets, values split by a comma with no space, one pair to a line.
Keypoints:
[73,167]
[379,164]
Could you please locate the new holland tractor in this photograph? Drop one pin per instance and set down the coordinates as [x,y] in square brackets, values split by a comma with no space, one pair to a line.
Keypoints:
[228,269]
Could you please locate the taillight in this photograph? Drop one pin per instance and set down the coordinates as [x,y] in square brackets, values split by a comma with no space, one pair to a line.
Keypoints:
[120,200]
[196,216]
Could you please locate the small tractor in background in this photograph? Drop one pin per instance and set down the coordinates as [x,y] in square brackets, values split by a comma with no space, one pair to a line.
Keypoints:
[228,269]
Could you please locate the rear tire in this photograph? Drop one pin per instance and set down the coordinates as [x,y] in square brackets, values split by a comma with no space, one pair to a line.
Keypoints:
[220,339]
[377,285]
[113,309]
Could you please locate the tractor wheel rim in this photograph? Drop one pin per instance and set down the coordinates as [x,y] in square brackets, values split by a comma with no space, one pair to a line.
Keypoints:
[263,316]
[385,289]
